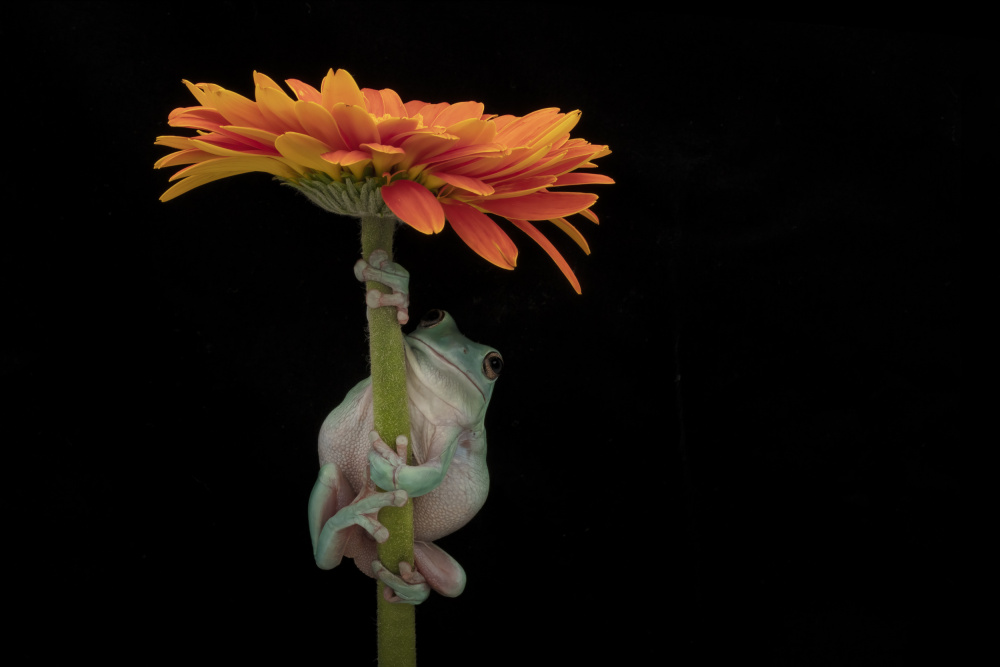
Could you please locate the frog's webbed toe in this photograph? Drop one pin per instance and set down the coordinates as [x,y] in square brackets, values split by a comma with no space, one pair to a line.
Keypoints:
[379,269]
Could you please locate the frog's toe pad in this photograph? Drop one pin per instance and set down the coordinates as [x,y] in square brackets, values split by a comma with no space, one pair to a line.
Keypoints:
[376,299]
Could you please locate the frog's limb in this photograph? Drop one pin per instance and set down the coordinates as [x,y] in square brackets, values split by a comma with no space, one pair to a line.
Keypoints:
[408,587]
[442,572]
[389,469]
[435,569]
[378,268]
[331,526]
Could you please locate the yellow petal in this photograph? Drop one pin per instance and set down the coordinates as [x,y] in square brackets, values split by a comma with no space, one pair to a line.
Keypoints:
[182,143]
[305,150]
[215,149]
[212,170]
[199,94]
[188,184]
[279,110]
[384,157]
[187,156]
[340,88]
[237,109]
[590,215]
[572,232]
[238,165]
[264,81]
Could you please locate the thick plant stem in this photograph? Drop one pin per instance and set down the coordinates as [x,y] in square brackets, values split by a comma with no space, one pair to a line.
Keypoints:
[396,626]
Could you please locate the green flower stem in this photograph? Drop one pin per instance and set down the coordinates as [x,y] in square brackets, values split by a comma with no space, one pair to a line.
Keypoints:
[397,640]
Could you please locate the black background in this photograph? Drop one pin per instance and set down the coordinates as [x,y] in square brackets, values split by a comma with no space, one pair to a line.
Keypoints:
[737,443]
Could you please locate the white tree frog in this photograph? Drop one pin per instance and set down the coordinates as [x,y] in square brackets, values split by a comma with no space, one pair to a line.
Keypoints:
[449,380]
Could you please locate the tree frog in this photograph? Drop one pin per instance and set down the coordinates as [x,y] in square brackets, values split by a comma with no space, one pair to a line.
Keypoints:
[449,380]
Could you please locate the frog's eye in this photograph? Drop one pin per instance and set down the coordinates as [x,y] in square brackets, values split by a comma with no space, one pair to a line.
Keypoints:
[431,318]
[492,365]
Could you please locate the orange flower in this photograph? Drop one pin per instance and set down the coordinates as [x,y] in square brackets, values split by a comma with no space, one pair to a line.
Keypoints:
[366,152]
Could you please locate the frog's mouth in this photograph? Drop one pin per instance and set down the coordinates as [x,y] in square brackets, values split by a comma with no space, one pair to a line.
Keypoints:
[445,360]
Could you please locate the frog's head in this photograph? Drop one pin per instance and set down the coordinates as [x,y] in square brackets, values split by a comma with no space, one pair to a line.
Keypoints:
[450,366]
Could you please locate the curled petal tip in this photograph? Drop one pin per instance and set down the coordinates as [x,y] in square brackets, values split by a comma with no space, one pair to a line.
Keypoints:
[415,205]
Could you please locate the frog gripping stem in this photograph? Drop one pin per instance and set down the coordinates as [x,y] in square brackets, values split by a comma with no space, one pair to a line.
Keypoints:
[379,269]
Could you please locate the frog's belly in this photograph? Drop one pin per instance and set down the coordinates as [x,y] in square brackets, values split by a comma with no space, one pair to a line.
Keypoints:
[450,506]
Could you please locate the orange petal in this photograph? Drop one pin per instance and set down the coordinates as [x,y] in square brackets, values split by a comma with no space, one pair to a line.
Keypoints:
[481,234]
[237,109]
[559,130]
[347,158]
[355,125]
[540,205]
[394,130]
[473,185]
[456,113]
[392,103]
[540,239]
[304,91]
[526,131]
[373,101]
[318,122]
[384,103]
[520,187]
[263,138]
[421,148]
[415,205]
[582,179]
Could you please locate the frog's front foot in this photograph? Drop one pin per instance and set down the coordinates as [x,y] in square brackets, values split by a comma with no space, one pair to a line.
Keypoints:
[330,533]
[407,587]
[379,269]
[389,469]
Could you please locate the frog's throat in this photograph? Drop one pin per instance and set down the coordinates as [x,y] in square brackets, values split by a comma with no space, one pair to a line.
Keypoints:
[412,336]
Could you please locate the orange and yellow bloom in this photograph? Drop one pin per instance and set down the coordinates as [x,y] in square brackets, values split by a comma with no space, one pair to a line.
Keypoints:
[426,164]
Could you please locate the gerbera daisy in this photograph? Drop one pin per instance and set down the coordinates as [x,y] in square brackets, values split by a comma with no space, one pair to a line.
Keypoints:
[365,152]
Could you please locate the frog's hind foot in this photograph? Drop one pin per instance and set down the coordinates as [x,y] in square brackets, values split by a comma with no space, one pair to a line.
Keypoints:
[379,269]
[407,587]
